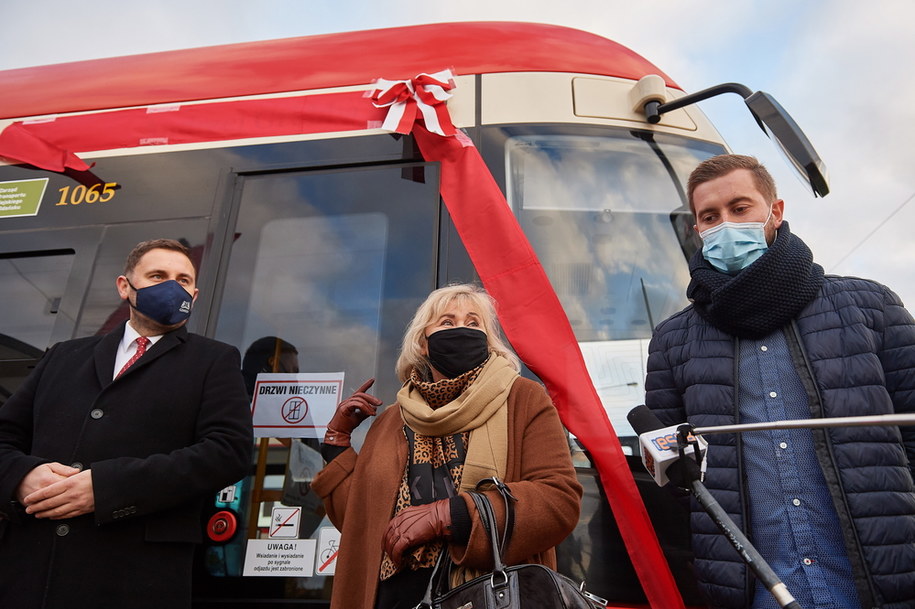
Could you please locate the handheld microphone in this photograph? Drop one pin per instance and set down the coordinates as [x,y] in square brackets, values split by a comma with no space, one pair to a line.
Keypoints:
[661,449]
[687,473]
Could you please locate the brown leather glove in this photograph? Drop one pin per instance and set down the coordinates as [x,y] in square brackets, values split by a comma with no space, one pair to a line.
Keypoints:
[416,525]
[350,413]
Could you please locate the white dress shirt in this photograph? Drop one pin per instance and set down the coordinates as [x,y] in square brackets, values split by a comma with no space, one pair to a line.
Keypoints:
[128,347]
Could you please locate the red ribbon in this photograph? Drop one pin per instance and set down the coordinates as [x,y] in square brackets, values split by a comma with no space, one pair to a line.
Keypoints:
[423,94]
[19,144]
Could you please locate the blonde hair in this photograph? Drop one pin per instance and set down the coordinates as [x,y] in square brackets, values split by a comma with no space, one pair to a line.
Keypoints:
[414,340]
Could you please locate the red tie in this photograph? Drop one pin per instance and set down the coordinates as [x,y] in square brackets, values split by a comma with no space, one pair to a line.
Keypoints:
[142,341]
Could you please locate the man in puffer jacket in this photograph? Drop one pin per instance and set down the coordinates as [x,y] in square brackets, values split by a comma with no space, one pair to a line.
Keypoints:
[768,337]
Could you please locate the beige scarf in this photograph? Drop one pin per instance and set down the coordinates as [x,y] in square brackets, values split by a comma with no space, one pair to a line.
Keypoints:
[480,409]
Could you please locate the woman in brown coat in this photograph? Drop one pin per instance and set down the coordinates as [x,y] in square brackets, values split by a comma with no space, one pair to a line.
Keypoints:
[462,415]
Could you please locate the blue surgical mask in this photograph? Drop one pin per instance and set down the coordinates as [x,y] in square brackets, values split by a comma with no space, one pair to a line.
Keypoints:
[167,303]
[731,247]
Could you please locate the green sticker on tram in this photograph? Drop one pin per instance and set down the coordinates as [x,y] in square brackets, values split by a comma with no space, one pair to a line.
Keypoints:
[21,197]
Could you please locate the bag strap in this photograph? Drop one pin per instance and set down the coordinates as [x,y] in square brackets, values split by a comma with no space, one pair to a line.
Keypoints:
[488,519]
[434,585]
[509,501]
[442,569]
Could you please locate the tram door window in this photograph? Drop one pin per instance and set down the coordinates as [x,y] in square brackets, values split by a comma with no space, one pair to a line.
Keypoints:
[32,286]
[65,287]
[333,263]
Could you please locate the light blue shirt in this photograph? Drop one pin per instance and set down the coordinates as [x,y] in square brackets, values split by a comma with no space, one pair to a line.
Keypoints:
[793,522]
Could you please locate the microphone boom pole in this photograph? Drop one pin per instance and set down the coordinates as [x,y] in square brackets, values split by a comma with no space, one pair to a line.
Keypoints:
[727,527]
[747,552]
[865,421]
[688,472]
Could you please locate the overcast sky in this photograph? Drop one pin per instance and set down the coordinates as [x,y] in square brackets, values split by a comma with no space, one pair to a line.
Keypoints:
[839,67]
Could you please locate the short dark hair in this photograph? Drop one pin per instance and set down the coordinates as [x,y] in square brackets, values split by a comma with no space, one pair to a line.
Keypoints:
[133,258]
[723,164]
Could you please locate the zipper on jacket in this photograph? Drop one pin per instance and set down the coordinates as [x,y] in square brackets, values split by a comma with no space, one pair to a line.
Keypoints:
[829,467]
[749,578]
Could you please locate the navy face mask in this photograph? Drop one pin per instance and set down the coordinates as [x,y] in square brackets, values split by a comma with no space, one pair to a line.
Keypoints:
[166,303]
[456,350]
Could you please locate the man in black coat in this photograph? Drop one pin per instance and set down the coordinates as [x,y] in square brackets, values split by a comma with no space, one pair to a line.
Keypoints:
[111,446]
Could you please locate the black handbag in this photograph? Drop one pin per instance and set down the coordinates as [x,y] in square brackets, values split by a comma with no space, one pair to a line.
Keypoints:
[516,587]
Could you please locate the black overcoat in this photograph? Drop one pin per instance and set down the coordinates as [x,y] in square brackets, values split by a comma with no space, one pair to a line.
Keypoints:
[159,440]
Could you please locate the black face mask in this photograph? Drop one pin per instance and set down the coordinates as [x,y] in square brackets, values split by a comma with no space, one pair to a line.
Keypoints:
[456,350]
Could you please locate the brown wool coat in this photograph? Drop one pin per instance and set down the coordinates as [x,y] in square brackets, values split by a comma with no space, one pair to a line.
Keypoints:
[359,492]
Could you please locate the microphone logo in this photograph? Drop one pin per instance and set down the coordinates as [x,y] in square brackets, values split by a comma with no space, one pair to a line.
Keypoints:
[648,462]
[669,441]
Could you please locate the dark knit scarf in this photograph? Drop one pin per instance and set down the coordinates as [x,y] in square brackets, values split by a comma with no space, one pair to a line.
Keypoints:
[761,298]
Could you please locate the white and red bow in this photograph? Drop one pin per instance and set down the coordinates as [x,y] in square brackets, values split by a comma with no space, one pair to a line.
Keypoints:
[423,94]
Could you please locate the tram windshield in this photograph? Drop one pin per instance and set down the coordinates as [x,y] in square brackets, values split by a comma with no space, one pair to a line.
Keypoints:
[608,218]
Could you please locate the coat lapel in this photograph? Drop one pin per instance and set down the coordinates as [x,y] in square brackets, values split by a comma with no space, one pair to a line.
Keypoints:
[163,345]
[106,351]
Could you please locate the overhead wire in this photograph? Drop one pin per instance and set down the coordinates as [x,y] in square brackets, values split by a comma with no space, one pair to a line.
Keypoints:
[871,234]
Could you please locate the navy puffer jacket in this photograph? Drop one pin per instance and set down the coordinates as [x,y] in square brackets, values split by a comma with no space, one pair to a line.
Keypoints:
[854,348]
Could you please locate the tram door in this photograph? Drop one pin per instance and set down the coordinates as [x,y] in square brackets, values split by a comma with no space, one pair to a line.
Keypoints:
[325,269]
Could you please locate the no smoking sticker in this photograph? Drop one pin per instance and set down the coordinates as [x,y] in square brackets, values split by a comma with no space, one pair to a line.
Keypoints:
[285,523]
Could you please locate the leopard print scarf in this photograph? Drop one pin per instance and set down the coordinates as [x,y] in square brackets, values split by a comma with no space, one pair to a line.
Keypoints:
[442,420]
[434,463]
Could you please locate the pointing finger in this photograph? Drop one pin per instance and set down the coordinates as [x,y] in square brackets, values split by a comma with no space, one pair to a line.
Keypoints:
[366,385]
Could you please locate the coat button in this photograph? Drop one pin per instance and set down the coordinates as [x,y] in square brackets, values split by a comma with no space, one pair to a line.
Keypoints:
[97,413]
[62,530]
[77,465]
